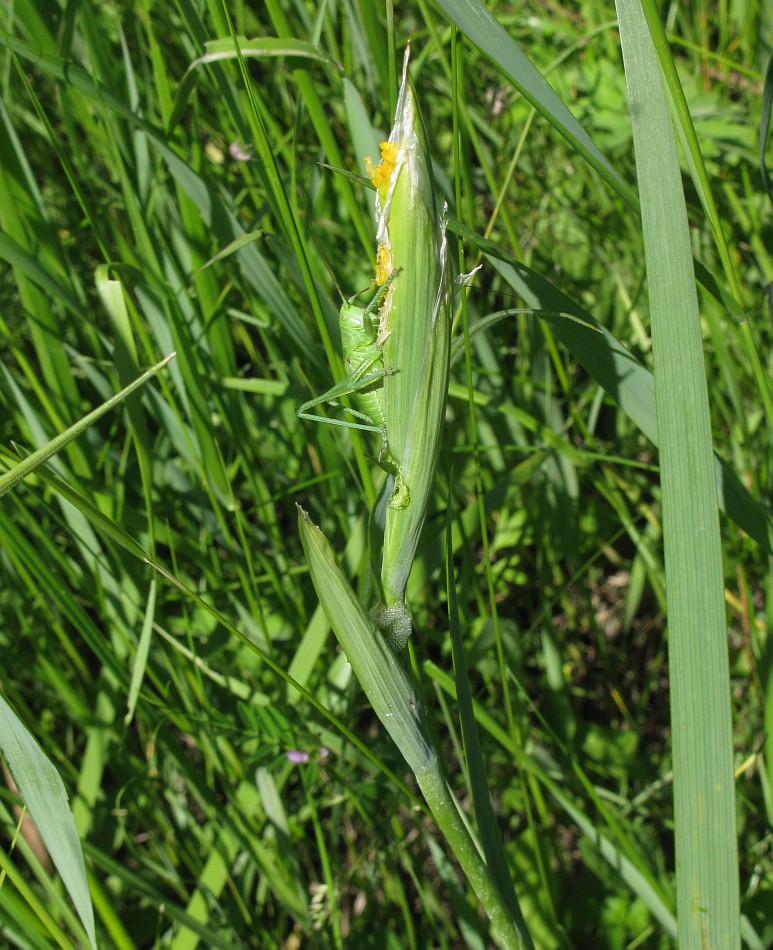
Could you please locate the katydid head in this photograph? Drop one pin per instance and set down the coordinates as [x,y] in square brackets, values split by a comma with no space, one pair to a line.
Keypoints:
[378,297]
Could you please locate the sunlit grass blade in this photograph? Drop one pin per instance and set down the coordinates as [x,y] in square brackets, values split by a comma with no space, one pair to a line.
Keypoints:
[620,374]
[477,22]
[43,793]
[689,140]
[708,911]
[41,455]
[691,150]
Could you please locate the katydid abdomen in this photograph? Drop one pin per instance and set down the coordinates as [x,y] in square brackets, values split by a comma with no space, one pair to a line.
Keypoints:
[359,330]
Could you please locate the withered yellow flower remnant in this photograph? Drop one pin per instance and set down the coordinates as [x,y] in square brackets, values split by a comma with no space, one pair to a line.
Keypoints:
[381,173]
[383,264]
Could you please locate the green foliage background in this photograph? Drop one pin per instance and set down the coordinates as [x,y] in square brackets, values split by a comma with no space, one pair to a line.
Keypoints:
[148,203]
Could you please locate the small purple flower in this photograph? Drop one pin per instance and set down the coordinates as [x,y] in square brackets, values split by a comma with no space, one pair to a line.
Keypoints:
[238,153]
[297,756]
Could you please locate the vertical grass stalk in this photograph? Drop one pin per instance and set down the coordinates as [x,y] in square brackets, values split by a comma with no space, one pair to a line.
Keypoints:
[708,909]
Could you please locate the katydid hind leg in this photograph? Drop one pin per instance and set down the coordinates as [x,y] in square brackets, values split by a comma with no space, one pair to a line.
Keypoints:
[347,387]
[343,423]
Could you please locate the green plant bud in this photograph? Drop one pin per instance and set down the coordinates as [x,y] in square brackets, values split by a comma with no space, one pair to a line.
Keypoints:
[413,332]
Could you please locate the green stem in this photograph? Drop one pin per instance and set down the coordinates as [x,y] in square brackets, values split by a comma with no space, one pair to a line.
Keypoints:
[506,917]
[391,689]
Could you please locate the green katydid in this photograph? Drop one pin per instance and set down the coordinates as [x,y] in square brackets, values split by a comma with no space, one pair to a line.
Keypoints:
[364,366]
[363,362]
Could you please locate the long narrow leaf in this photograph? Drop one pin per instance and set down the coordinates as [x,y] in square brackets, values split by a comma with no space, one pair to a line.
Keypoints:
[620,374]
[44,794]
[29,464]
[708,911]
[490,838]
[473,19]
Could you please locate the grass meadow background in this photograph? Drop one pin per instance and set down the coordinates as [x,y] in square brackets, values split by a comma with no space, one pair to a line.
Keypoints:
[153,201]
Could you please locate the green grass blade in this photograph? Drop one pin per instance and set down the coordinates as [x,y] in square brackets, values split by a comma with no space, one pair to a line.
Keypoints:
[29,464]
[44,794]
[623,377]
[141,658]
[475,20]
[45,932]
[708,912]
[386,683]
[392,692]
[767,102]
[491,839]
[700,178]
[689,140]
